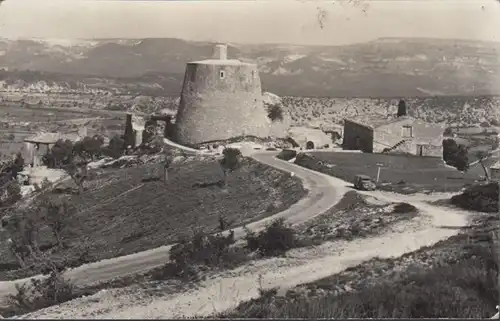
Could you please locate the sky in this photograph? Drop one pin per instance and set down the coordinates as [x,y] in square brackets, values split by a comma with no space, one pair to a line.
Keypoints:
[259,21]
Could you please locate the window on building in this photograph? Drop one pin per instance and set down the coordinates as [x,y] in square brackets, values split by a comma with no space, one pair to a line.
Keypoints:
[407,131]
[222,74]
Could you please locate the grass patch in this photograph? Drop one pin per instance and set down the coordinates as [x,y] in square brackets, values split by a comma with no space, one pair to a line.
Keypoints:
[428,174]
[355,217]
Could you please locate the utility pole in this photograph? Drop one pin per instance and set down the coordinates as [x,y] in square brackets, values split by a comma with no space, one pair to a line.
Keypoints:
[379,165]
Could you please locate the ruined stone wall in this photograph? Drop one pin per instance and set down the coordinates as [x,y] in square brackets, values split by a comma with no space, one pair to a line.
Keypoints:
[220,101]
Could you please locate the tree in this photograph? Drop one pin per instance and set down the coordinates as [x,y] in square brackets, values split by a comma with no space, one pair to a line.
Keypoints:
[77,170]
[56,215]
[481,155]
[455,155]
[115,148]
[60,154]
[230,162]
[23,228]
[402,110]
[18,165]
[170,154]
[89,147]
[275,112]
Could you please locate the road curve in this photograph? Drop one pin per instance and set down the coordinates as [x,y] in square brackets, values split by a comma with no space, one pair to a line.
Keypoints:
[322,195]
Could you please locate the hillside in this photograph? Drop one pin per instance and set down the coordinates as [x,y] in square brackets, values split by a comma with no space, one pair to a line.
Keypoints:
[454,110]
[388,67]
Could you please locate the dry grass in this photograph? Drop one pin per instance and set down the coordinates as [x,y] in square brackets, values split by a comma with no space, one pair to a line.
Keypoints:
[130,210]
[355,217]
[454,278]
[400,173]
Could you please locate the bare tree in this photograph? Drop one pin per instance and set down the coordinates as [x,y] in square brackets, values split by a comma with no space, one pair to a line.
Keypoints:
[78,172]
[56,216]
[481,156]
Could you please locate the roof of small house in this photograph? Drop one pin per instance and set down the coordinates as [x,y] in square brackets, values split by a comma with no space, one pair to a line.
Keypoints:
[495,165]
[422,129]
[51,138]
[375,120]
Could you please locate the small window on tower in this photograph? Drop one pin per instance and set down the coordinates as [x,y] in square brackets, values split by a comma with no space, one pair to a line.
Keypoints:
[222,74]
[253,74]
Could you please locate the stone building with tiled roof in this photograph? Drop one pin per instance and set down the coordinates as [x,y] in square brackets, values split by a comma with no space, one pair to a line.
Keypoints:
[377,133]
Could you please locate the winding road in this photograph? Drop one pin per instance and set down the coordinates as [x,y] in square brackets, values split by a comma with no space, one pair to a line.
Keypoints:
[220,294]
[321,196]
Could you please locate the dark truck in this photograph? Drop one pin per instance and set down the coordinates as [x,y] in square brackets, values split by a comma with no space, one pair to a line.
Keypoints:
[364,183]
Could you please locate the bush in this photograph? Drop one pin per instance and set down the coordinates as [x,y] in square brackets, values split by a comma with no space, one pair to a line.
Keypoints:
[481,197]
[287,154]
[455,155]
[38,294]
[115,148]
[203,250]
[274,240]
[403,208]
[275,112]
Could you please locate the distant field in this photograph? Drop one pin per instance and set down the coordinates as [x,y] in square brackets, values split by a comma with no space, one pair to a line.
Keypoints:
[400,173]
[20,122]
[121,214]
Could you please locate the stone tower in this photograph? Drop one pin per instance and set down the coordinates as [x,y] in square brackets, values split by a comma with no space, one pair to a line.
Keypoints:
[221,98]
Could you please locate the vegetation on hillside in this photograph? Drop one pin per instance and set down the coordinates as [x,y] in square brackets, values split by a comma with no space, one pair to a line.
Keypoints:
[456,278]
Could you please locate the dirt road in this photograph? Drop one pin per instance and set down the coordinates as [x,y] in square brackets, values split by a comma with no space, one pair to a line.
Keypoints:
[321,196]
[299,266]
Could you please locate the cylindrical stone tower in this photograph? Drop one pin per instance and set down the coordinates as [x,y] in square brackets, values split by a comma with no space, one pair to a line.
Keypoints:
[220,99]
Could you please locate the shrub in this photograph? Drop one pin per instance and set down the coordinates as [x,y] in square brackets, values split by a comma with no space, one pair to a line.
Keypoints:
[455,155]
[287,154]
[481,197]
[202,250]
[274,240]
[38,294]
[275,112]
[403,208]
[115,148]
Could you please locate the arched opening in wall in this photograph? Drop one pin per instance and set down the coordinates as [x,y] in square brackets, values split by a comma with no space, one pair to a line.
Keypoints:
[222,74]
[309,145]
[253,73]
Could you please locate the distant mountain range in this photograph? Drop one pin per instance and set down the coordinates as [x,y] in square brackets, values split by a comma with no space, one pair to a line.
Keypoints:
[387,67]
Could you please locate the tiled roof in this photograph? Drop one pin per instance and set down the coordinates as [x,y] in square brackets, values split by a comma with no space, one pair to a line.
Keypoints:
[375,120]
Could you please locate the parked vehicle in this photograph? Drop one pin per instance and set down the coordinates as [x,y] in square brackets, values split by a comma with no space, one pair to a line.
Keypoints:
[364,183]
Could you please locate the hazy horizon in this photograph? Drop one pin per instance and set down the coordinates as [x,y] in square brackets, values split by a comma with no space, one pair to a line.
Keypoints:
[251,22]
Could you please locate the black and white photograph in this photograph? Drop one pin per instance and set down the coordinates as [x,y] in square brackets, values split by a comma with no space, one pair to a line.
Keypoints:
[243,159]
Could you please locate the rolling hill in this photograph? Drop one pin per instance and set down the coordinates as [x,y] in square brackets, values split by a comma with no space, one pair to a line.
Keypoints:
[386,67]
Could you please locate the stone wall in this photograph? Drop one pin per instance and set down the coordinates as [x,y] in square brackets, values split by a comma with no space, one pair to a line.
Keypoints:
[352,131]
[220,100]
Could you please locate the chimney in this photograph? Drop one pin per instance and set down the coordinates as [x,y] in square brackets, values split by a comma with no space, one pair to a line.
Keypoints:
[220,52]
